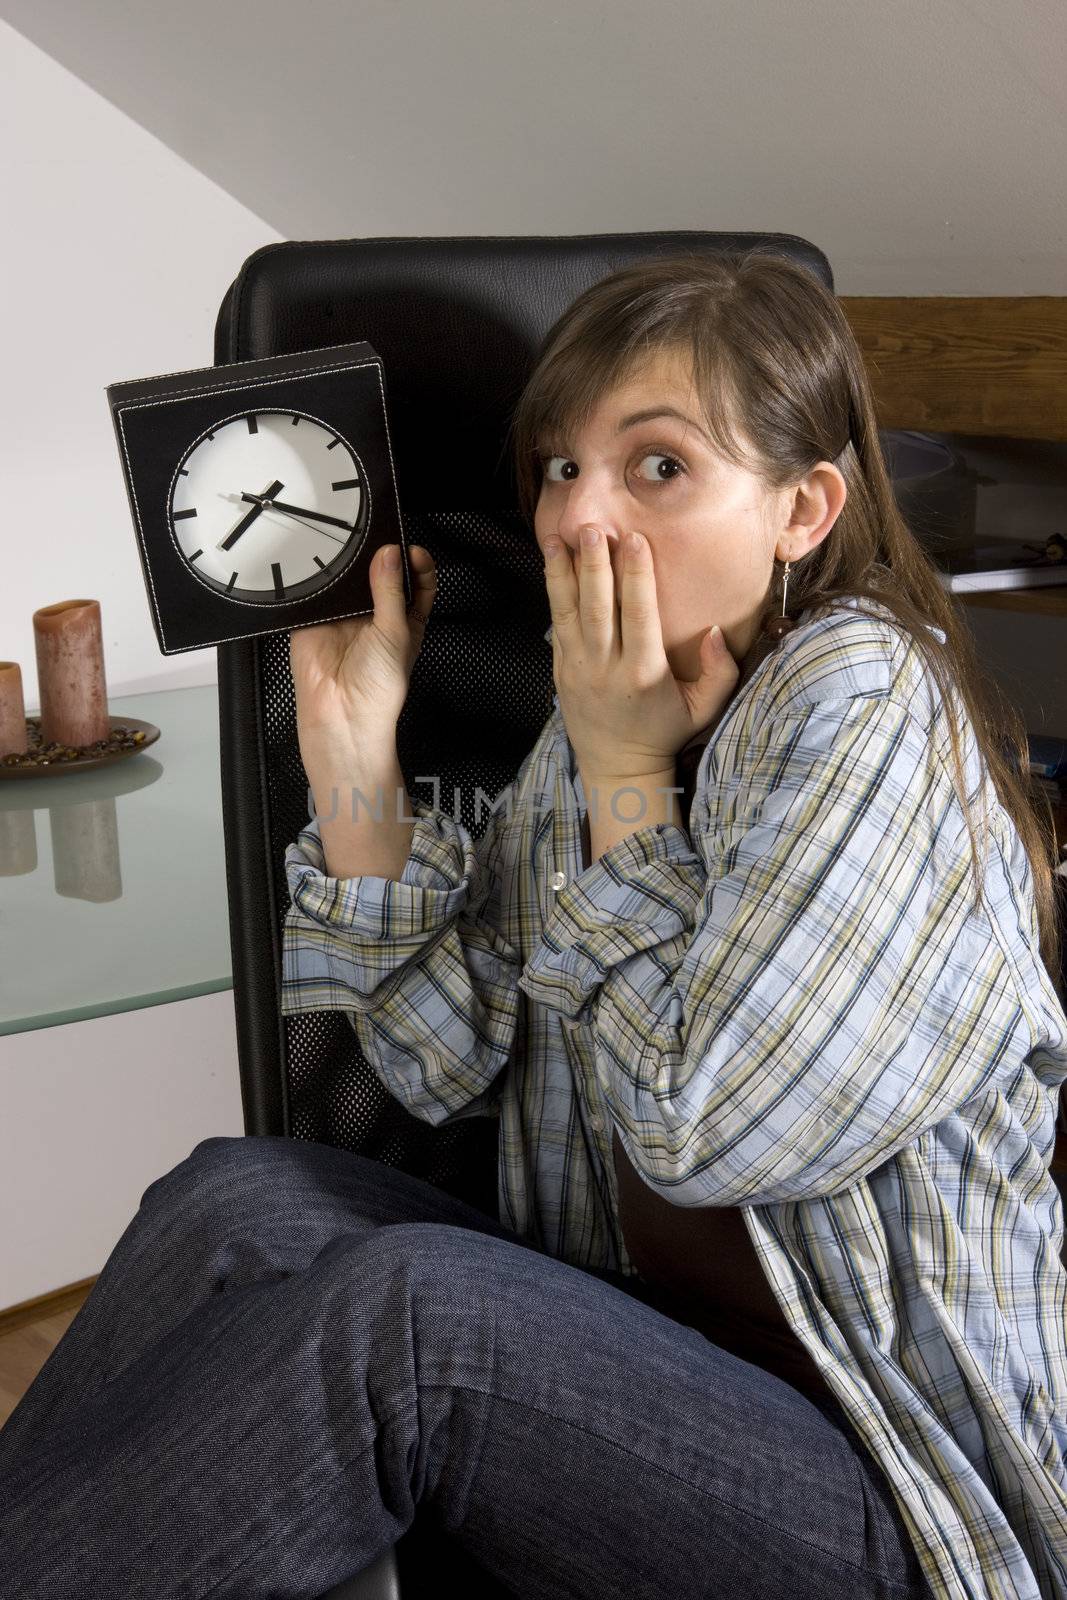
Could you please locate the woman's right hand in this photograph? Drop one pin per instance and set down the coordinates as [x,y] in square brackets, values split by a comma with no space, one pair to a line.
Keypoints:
[351,676]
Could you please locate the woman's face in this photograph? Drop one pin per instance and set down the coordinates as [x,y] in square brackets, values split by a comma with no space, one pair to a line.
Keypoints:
[712,528]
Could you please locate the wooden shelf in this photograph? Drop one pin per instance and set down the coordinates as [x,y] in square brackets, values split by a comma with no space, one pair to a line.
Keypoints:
[1051,601]
[989,364]
[995,366]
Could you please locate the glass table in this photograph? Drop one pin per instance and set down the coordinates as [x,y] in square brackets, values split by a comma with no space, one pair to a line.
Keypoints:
[113,881]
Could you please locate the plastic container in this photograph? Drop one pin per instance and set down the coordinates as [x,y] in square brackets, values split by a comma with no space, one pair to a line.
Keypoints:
[936,490]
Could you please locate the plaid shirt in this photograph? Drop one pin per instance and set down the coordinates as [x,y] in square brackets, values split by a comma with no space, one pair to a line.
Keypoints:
[792,1007]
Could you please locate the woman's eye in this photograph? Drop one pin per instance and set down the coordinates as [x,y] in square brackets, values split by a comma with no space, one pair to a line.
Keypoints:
[569,467]
[658,455]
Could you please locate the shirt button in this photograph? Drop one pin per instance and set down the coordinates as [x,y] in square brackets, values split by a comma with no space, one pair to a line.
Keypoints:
[558,880]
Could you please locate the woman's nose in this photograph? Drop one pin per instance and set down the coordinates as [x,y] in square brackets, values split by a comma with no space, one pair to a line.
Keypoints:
[572,536]
[574,519]
[587,504]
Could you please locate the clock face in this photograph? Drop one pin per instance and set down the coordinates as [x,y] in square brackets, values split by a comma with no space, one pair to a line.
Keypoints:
[269,506]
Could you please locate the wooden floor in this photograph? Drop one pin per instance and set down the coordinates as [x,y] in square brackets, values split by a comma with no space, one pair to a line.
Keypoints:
[24,1351]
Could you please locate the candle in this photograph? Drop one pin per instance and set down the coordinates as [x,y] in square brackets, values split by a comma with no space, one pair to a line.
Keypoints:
[70,673]
[13,735]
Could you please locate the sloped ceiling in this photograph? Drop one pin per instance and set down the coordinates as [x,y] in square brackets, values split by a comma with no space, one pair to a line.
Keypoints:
[923,147]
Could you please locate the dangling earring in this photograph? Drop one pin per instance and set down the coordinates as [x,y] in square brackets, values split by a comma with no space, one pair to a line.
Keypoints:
[775,628]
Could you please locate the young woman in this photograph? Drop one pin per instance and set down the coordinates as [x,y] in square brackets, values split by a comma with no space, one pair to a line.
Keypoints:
[756,961]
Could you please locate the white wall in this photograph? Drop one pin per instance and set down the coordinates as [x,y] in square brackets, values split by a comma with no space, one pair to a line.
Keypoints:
[117,256]
[93,1113]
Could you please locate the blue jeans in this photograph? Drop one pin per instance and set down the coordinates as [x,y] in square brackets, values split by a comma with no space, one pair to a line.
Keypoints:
[292,1347]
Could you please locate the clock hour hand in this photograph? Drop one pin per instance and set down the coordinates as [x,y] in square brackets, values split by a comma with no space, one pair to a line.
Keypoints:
[246,522]
[299,511]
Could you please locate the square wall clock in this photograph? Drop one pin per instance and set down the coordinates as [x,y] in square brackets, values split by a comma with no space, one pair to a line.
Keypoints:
[259,491]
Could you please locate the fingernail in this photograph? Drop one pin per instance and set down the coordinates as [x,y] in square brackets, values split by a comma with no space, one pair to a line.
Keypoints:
[391,557]
[590,536]
[635,542]
[552,551]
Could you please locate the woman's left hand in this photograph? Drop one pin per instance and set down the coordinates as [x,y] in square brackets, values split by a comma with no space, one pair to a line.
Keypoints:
[625,712]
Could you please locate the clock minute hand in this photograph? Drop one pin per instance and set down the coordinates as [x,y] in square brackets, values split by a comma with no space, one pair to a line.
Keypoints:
[309,525]
[299,511]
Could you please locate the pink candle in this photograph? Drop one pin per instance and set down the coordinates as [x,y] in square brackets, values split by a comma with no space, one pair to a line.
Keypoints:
[70,673]
[13,736]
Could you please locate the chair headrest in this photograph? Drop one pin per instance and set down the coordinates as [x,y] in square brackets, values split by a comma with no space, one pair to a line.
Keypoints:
[458,323]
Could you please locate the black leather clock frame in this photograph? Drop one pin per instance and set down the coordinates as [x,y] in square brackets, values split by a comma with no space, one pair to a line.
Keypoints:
[157,421]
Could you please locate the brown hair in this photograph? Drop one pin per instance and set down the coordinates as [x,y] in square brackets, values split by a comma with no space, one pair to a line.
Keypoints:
[772,349]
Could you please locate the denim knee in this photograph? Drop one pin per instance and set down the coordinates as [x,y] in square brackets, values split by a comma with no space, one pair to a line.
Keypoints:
[221,1155]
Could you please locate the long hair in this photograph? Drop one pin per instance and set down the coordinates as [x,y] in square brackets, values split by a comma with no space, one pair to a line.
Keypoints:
[782,385]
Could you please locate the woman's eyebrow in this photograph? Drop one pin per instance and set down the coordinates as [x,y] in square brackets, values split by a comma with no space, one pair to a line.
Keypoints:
[659,411]
[553,436]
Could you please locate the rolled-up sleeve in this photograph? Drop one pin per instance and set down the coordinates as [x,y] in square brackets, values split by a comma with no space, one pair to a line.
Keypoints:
[427,981]
[786,1002]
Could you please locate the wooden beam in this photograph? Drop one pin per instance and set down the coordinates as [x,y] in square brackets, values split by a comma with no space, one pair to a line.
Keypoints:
[966,364]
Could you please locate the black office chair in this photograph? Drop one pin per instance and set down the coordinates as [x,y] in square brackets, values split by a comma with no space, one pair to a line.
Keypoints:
[457,323]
